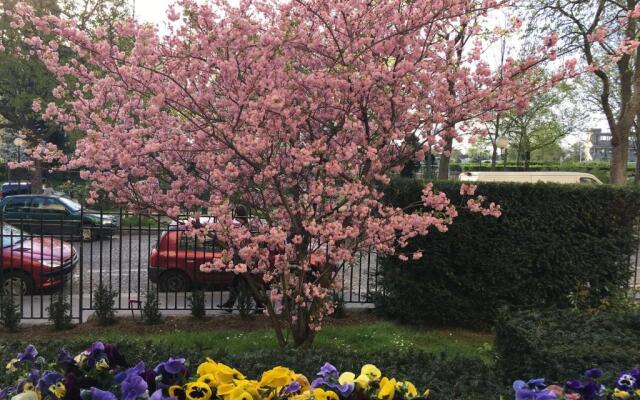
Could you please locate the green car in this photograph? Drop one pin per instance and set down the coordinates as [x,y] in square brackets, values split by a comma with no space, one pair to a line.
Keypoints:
[56,216]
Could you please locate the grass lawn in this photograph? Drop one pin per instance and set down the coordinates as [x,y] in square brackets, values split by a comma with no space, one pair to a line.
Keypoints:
[375,336]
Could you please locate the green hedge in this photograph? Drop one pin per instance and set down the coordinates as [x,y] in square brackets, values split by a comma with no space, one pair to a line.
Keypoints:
[460,378]
[561,344]
[552,240]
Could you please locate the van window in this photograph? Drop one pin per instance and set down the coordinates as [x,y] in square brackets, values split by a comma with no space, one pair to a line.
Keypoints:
[588,181]
[208,244]
[18,204]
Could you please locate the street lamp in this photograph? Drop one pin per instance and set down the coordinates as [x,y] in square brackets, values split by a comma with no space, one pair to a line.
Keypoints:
[503,144]
[18,142]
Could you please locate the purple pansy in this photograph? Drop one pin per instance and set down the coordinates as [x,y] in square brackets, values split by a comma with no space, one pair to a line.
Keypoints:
[534,389]
[135,370]
[4,393]
[65,359]
[28,355]
[49,378]
[594,373]
[328,376]
[97,394]
[132,387]
[628,380]
[172,366]
[293,387]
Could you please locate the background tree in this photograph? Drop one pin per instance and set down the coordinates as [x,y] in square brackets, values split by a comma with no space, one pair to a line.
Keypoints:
[300,110]
[547,119]
[604,33]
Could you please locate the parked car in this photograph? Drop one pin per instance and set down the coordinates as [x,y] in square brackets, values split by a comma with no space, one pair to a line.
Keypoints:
[174,262]
[14,188]
[57,216]
[529,177]
[33,263]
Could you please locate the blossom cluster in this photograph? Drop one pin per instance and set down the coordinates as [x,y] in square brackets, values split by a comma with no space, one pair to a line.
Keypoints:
[588,387]
[102,373]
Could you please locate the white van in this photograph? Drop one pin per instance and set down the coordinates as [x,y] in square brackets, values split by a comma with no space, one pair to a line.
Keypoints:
[529,177]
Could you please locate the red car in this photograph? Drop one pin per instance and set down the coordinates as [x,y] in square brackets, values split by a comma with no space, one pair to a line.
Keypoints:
[31,263]
[174,263]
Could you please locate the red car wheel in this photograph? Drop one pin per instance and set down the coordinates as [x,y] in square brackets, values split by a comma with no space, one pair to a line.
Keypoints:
[16,283]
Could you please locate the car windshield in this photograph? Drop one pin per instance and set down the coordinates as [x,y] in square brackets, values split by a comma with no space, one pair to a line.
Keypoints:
[11,235]
[71,204]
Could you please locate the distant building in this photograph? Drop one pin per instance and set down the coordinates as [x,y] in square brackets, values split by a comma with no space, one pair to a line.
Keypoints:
[601,146]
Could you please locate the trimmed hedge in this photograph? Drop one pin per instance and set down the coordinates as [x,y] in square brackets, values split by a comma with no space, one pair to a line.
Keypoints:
[460,378]
[561,344]
[551,241]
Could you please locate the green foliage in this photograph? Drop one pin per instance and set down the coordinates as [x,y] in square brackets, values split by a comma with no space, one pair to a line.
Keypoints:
[103,304]
[151,309]
[196,304]
[9,314]
[60,311]
[447,378]
[561,344]
[550,242]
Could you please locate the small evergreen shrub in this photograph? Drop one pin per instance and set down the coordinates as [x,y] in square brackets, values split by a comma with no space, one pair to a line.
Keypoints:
[104,302]
[60,311]
[151,309]
[196,304]
[9,314]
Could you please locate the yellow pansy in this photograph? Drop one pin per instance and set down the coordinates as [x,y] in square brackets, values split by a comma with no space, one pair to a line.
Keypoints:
[176,391]
[239,389]
[30,395]
[361,382]
[209,379]
[621,394]
[304,382]
[207,368]
[197,391]
[28,386]
[407,388]
[102,365]
[638,392]
[59,390]
[226,374]
[81,359]
[387,388]
[321,394]
[11,365]
[277,377]
[426,393]
[371,371]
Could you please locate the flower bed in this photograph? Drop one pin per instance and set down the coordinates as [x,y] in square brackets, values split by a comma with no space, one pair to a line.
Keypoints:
[102,373]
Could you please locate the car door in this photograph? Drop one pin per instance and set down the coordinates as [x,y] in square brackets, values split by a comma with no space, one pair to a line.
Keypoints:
[17,213]
[52,217]
[194,252]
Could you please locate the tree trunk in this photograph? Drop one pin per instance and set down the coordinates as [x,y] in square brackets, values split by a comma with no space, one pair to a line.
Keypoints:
[494,155]
[443,168]
[36,177]
[619,156]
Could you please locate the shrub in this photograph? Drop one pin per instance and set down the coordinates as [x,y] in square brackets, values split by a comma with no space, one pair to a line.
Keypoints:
[196,303]
[151,309]
[10,314]
[551,241]
[104,301]
[561,344]
[60,311]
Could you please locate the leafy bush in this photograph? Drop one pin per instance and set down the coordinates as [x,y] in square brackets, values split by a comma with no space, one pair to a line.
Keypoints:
[460,378]
[104,301]
[196,303]
[561,344]
[9,314]
[551,241]
[60,311]
[151,309]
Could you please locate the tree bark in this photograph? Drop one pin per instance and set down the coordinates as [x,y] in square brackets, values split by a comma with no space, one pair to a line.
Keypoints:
[619,156]
[36,177]
[443,167]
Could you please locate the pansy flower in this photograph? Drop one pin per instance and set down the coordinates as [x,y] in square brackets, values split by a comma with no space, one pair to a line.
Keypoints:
[172,371]
[329,378]
[628,380]
[97,394]
[191,391]
[534,389]
[51,385]
[132,387]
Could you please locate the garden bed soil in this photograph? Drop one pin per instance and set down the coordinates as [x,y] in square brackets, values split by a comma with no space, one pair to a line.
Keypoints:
[131,326]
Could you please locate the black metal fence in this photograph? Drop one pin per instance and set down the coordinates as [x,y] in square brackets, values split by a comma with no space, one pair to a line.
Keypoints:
[51,247]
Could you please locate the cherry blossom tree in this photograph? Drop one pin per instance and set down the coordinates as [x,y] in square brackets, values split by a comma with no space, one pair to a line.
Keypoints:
[300,110]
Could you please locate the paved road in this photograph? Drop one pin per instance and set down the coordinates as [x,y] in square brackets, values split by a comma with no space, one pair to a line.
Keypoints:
[122,262]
